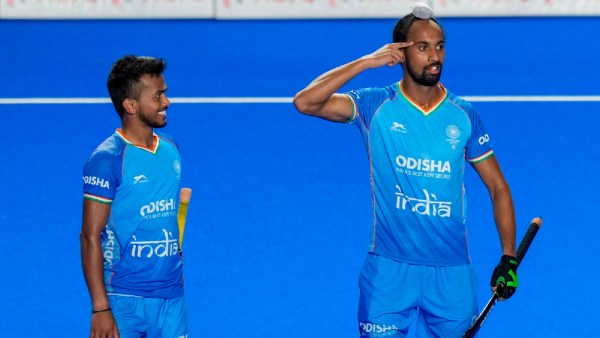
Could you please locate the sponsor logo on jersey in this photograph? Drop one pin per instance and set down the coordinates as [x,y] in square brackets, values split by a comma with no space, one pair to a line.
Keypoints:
[109,247]
[453,134]
[97,181]
[399,127]
[381,330]
[427,205]
[163,247]
[420,164]
[140,179]
[160,208]
[484,139]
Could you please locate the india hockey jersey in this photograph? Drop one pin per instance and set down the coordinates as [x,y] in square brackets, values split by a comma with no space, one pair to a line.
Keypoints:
[417,162]
[140,240]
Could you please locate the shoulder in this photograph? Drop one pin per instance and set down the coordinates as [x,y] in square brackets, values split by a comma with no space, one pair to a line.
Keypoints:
[106,160]
[112,147]
[465,106]
[167,138]
[459,101]
[387,92]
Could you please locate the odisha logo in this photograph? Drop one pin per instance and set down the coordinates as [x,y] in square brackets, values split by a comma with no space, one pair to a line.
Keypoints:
[377,328]
[158,206]
[93,180]
[423,164]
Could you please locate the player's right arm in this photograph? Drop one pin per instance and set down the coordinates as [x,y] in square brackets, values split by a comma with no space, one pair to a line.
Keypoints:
[319,98]
[95,216]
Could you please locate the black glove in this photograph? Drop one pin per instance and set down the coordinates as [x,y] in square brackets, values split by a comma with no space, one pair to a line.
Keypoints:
[505,276]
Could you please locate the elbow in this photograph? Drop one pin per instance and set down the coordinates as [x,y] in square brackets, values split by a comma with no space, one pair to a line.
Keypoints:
[302,105]
[500,191]
[84,241]
[87,241]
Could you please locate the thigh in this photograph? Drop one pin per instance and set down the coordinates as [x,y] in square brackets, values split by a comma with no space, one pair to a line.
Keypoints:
[175,319]
[450,302]
[389,292]
[167,318]
[129,315]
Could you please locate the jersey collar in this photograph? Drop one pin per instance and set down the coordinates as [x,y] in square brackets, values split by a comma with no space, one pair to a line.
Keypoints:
[418,106]
[152,150]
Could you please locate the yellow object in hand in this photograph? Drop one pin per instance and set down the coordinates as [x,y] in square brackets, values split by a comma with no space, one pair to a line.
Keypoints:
[184,200]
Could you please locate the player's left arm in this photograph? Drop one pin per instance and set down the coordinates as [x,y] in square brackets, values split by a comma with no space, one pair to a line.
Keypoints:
[505,273]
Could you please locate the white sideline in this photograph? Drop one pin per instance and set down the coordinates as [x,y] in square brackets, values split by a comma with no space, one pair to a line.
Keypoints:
[197,100]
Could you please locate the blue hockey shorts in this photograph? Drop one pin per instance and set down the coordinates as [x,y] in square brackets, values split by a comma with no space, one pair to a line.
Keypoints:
[432,301]
[140,317]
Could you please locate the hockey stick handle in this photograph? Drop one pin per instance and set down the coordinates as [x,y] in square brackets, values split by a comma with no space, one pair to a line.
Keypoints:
[185,195]
[535,225]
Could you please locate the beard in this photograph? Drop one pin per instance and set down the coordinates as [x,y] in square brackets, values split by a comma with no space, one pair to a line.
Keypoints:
[423,78]
[152,123]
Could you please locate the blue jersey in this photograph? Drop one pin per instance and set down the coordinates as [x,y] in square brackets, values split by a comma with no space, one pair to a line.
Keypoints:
[139,242]
[417,162]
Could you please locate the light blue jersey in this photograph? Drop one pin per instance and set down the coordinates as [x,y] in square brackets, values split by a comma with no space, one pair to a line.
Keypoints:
[417,160]
[139,242]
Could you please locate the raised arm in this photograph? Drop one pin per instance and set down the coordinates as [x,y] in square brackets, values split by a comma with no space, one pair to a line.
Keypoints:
[319,98]
[95,216]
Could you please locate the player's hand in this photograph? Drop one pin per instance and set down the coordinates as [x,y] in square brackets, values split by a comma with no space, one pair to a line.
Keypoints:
[504,279]
[390,54]
[104,325]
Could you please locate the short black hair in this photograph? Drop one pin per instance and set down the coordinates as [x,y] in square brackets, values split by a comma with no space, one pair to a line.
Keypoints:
[125,74]
[403,25]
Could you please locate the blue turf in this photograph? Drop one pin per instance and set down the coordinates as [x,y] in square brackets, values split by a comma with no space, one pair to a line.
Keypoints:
[280,215]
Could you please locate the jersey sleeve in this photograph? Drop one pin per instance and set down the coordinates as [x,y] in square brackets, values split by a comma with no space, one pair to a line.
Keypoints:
[478,146]
[102,175]
[170,139]
[366,101]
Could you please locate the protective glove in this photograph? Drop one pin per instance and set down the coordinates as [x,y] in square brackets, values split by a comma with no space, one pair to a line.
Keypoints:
[505,277]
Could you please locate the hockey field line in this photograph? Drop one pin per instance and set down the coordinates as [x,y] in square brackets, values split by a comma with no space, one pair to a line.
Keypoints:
[200,100]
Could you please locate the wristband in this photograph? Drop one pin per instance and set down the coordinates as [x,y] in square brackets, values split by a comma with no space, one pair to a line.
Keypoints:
[98,311]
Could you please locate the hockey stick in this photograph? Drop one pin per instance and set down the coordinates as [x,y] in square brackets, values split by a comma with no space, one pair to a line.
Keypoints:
[535,225]
[184,200]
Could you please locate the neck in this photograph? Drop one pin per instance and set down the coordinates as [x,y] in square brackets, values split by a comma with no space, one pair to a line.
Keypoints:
[425,96]
[142,136]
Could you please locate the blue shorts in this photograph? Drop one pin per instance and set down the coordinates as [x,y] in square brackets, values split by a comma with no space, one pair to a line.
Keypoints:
[432,301]
[149,317]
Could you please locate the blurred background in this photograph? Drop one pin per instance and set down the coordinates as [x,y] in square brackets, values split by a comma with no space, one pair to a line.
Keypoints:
[280,217]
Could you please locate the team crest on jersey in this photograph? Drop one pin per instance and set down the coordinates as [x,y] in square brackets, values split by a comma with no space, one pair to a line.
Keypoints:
[453,134]
[177,168]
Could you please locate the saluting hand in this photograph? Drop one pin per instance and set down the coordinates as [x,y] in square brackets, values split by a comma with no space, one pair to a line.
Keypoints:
[390,54]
